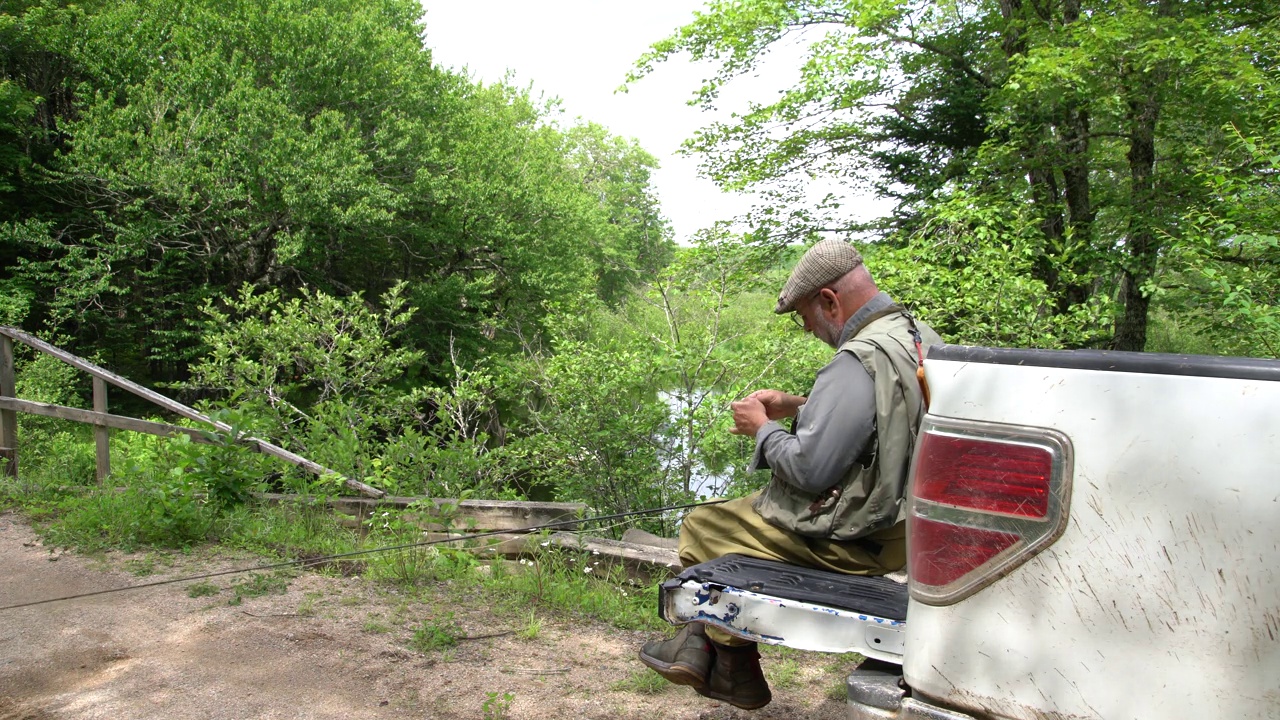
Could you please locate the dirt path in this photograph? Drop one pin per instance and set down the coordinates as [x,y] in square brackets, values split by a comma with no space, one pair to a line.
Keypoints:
[324,648]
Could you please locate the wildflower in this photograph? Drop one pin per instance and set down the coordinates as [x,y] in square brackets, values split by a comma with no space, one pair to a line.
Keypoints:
[586,569]
[595,552]
[546,543]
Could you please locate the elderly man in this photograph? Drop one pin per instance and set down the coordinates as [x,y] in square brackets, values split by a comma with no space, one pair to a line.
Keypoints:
[835,498]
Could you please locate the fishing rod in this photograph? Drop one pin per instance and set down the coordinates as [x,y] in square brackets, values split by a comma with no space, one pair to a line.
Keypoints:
[320,560]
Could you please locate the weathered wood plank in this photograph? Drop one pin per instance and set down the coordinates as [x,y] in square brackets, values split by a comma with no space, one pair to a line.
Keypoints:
[108,376]
[101,433]
[466,514]
[8,418]
[640,562]
[91,417]
[178,408]
[636,536]
[636,558]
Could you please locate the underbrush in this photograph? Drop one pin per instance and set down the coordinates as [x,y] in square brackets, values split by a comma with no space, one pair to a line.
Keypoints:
[575,582]
[162,496]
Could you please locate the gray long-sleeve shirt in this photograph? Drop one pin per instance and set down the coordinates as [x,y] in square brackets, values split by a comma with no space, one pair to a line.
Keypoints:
[833,428]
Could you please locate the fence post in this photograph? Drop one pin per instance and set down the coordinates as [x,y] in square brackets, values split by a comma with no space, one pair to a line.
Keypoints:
[101,433]
[8,418]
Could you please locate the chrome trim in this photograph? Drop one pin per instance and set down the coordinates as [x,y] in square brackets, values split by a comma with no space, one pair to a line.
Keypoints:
[913,709]
[1046,530]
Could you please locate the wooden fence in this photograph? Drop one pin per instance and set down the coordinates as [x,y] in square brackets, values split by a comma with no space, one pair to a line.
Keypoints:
[642,559]
[11,405]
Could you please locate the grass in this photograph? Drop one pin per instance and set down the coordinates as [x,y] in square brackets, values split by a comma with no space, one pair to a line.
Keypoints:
[643,682]
[838,691]
[567,582]
[141,566]
[434,635]
[148,508]
[784,674]
[307,607]
[202,589]
[258,585]
[531,629]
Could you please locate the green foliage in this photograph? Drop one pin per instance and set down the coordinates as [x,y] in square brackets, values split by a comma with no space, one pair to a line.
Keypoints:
[593,423]
[202,589]
[1044,156]
[496,705]
[970,273]
[436,634]
[1221,289]
[154,157]
[575,582]
[229,471]
[257,585]
[153,509]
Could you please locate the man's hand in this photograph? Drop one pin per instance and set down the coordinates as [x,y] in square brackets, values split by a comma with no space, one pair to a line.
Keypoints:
[748,416]
[777,404]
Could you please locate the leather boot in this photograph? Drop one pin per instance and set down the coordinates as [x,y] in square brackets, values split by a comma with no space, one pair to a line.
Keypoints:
[684,659]
[736,677]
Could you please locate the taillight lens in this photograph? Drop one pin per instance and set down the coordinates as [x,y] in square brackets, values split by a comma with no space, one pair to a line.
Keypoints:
[943,553]
[979,474]
[984,498]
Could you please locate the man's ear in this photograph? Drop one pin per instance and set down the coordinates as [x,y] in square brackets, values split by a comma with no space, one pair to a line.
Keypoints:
[828,301]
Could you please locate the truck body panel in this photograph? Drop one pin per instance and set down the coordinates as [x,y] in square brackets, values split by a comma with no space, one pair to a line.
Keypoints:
[1161,599]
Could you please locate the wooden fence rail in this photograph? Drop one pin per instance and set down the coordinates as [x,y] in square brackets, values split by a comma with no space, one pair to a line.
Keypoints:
[11,405]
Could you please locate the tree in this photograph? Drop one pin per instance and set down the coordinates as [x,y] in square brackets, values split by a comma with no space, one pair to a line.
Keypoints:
[1086,115]
[290,144]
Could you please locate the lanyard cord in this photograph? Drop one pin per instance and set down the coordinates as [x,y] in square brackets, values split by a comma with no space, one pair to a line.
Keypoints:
[915,335]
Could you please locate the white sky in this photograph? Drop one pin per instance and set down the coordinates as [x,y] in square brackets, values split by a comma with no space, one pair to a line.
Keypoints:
[581,51]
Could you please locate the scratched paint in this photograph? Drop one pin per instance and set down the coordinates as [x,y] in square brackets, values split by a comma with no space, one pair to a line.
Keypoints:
[1161,598]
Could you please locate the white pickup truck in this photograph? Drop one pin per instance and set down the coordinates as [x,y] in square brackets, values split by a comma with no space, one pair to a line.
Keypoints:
[1090,535]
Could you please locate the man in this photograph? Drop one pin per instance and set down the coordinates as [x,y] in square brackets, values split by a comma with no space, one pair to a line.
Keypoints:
[835,498]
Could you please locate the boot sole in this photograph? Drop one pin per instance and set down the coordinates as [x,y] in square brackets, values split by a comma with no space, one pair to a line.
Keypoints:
[677,672]
[704,691]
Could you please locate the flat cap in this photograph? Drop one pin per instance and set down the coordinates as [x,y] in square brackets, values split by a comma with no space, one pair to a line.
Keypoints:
[821,265]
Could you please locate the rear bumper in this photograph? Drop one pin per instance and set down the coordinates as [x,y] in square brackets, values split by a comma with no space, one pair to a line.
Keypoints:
[803,608]
[876,695]
[774,621]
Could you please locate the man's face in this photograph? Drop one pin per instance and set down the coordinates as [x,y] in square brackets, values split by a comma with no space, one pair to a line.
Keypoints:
[812,318]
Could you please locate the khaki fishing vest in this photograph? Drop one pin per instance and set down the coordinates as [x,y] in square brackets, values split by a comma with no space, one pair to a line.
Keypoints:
[871,496]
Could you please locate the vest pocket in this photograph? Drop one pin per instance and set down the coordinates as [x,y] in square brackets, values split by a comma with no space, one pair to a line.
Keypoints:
[803,513]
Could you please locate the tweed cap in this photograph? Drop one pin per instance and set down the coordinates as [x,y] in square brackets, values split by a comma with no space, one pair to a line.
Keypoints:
[821,265]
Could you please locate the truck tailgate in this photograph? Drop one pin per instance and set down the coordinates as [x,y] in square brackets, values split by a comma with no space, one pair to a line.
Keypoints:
[1162,597]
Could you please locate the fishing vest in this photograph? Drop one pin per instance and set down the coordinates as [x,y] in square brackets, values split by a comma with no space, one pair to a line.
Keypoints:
[871,496]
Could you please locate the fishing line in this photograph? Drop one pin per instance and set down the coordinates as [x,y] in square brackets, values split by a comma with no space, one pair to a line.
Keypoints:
[319,560]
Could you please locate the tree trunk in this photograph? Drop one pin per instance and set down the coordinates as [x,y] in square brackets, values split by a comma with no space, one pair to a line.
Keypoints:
[1141,243]
[1074,131]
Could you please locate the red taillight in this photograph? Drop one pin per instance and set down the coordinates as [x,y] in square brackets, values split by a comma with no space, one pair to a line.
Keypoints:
[983,475]
[943,553]
[984,498]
